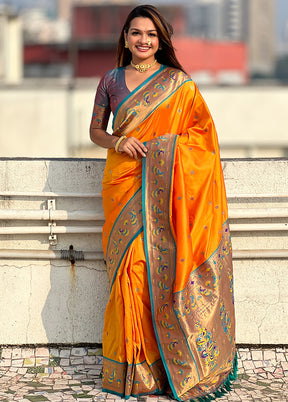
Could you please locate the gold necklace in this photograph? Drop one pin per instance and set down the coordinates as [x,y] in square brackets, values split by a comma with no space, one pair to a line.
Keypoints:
[143,67]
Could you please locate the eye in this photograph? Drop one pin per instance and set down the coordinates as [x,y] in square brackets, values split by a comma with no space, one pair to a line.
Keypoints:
[134,33]
[153,35]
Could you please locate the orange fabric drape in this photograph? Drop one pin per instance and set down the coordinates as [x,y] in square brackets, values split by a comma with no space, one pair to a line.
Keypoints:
[170,314]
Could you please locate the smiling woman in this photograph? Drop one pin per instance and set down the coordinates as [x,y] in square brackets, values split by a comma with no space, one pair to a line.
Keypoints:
[143,42]
[169,323]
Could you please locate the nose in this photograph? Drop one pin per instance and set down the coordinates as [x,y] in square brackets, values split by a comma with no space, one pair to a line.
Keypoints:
[144,39]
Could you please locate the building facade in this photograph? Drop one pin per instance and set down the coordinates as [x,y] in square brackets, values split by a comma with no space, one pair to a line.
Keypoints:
[251,21]
[11,47]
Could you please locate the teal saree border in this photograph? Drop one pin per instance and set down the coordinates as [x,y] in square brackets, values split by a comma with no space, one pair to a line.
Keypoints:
[148,269]
[162,67]
[133,237]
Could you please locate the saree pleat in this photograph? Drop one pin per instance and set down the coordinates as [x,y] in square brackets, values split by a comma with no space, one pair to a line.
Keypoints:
[170,315]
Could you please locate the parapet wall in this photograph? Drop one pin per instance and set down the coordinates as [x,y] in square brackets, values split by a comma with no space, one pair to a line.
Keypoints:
[53,295]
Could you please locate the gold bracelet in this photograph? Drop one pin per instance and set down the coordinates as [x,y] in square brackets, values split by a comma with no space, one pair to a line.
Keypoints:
[118,142]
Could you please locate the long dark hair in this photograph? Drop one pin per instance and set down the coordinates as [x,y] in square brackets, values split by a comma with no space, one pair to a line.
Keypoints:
[165,54]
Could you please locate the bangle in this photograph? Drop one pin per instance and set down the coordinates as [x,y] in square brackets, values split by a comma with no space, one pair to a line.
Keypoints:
[119,142]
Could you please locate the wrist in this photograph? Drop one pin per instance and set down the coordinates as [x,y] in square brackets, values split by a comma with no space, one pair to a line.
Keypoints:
[114,140]
[118,142]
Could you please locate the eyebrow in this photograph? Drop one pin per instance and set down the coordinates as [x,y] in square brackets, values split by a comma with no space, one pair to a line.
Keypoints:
[149,30]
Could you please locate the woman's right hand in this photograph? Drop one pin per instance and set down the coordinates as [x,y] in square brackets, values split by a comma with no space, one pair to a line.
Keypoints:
[132,147]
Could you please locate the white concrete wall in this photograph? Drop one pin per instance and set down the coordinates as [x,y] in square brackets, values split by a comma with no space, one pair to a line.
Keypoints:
[33,123]
[51,301]
[51,120]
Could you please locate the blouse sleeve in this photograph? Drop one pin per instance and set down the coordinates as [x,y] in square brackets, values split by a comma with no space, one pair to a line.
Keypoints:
[101,109]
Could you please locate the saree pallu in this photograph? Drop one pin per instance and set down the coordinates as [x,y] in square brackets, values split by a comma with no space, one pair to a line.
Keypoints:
[169,323]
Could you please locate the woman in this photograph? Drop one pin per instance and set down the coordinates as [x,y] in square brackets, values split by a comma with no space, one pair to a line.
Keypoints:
[169,322]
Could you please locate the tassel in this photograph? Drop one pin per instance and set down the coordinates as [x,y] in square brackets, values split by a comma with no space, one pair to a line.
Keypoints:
[225,387]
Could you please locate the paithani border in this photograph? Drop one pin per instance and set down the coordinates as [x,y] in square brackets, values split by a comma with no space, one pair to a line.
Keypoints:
[100,117]
[138,379]
[180,357]
[128,225]
[160,250]
[141,102]
[195,301]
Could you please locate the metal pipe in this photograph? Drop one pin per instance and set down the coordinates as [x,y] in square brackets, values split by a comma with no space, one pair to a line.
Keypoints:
[47,230]
[263,195]
[259,254]
[244,213]
[50,215]
[259,227]
[63,215]
[98,195]
[48,194]
[245,227]
[98,255]
[45,254]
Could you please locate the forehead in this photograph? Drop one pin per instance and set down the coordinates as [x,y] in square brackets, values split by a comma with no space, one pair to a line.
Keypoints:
[142,24]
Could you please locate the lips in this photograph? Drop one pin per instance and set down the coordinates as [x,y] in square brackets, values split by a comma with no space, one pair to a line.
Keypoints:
[143,48]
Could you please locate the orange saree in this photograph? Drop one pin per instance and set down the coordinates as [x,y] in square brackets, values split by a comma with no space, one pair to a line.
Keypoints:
[169,323]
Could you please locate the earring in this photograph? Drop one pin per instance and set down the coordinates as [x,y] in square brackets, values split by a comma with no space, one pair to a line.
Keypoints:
[126,44]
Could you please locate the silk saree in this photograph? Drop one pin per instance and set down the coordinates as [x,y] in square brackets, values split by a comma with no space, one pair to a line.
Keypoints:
[169,323]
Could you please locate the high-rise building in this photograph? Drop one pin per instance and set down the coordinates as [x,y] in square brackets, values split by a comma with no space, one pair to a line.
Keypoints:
[65,9]
[253,21]
[205,19]
[261,36]
[234,20]
[249,21]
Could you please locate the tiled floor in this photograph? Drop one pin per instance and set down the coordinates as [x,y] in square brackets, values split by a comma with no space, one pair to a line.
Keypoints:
[74,374]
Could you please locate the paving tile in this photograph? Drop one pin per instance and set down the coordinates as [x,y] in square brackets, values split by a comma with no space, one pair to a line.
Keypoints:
[5,362]
[65,353]
[269,355]
[280,357]
[6,353]
[89,359]
[64,362]
[42,352]
[54,352]
[16,353]
[42,361]
[78,352]
[29,362]
[248,365]
[257,355]
[27,353]
[263,376]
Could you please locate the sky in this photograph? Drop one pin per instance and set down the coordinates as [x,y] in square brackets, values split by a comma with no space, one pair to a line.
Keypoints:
[282,19]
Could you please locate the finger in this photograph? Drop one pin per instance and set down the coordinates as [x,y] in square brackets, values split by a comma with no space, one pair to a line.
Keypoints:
[140,150]
[133,147]
[129,149]
[141,145]
[133,151]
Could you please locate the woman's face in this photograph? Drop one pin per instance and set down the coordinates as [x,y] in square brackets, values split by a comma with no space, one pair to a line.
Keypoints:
[142,38]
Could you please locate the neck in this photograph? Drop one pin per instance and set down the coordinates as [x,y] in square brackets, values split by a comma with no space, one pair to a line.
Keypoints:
[142,66]
[137,60]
